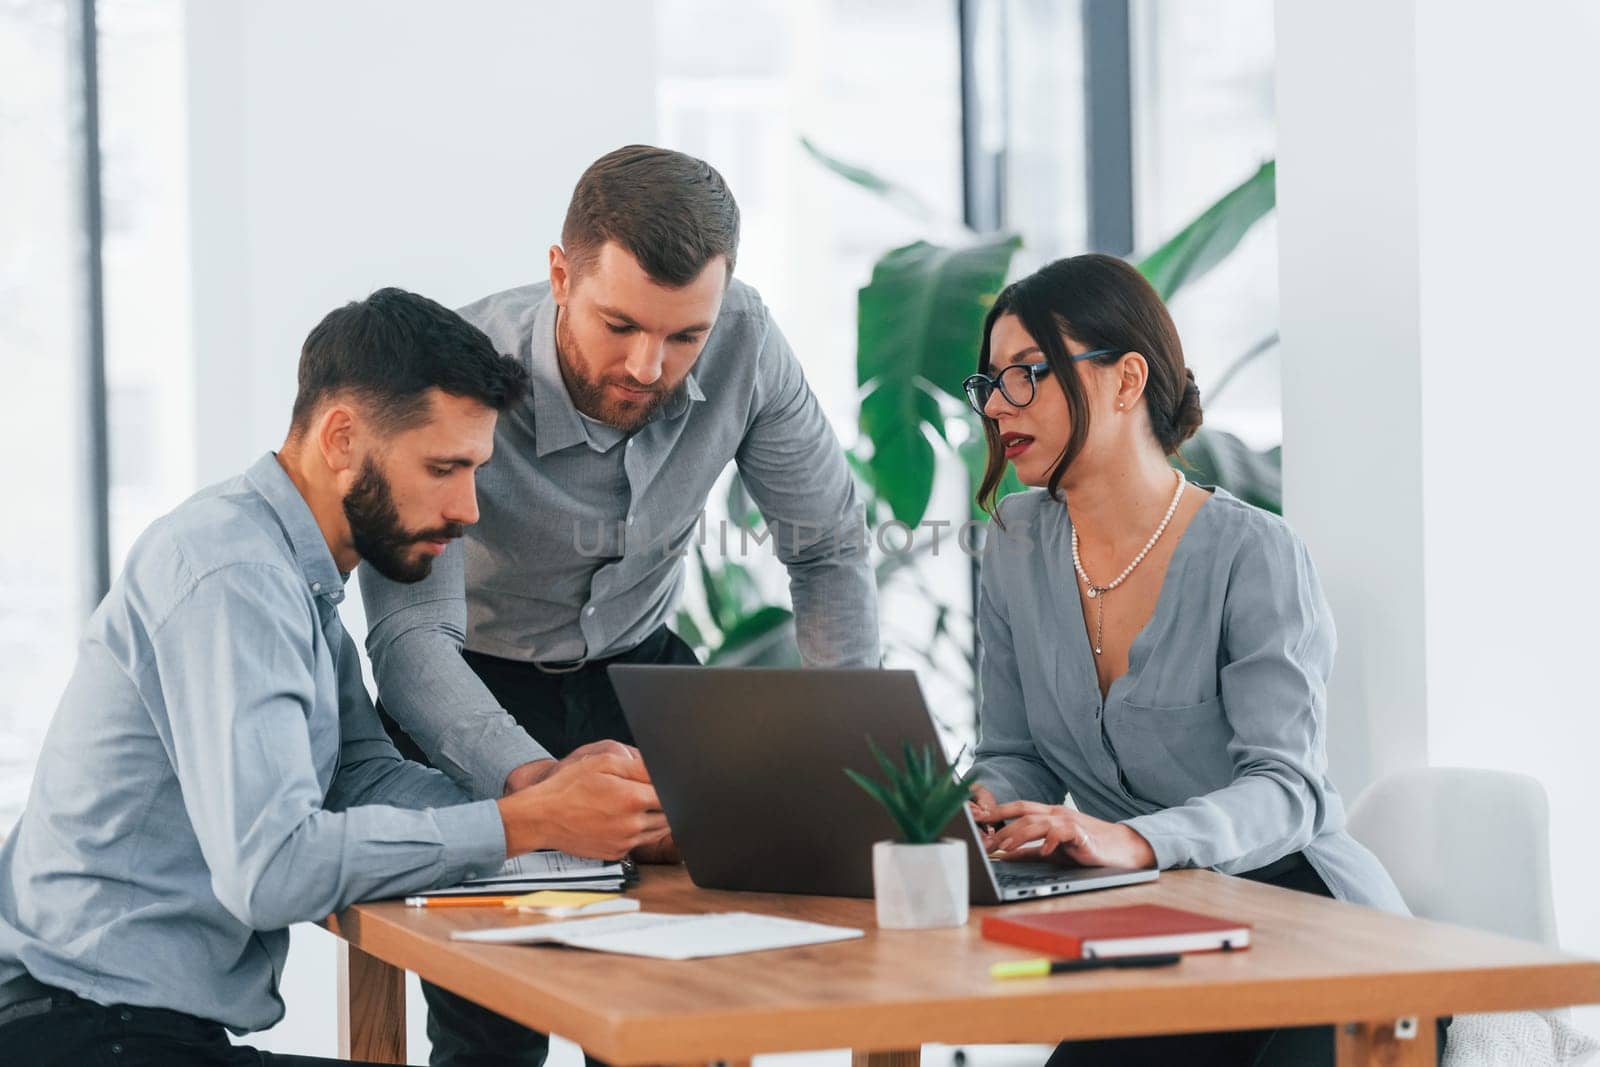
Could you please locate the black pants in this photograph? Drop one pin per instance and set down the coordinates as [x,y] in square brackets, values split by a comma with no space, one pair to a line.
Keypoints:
[73,1032]
[1300,1046]
[561,712]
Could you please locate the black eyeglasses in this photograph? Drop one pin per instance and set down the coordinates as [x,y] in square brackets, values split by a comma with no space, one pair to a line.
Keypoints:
[1016,382]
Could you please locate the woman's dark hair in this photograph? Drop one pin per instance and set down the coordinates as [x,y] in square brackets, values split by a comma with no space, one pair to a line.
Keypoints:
[671,211]
[1101,302]
[390,349]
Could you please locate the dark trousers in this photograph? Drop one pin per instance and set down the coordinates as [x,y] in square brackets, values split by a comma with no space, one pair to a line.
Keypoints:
[561,711]
[1302,1046]
[68,1031]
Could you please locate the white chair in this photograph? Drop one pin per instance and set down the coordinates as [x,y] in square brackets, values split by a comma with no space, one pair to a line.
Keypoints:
[1464,846]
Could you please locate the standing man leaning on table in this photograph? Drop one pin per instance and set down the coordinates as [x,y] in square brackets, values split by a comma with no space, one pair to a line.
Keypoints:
[651,370]
[215,771]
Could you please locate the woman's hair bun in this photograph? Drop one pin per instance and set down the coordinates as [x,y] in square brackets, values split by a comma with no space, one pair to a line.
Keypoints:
[1186,416]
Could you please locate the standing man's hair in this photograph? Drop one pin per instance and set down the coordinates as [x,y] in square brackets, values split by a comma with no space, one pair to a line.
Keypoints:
[672,212]
[388,350]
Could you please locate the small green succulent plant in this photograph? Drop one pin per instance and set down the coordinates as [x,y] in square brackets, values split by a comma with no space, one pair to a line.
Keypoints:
[921,797]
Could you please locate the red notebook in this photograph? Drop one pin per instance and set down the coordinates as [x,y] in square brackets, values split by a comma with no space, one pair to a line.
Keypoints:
[1128,931]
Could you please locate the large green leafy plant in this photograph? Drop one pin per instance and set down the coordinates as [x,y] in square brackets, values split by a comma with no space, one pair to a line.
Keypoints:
[919,319]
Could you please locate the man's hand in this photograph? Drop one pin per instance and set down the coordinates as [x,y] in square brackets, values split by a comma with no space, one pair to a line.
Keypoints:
[1066,836]
[536,771]
[663,851]
[599,804]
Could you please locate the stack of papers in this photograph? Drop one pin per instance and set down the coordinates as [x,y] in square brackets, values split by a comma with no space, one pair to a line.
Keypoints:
[668,937]
[544,870]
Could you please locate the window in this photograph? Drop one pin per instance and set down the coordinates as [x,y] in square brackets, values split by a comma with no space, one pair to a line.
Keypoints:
[46,542]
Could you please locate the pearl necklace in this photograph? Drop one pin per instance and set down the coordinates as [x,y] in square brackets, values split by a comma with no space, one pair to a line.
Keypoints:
[1098,592]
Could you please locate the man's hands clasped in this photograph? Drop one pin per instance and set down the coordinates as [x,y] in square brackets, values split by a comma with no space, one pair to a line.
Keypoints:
[597,802]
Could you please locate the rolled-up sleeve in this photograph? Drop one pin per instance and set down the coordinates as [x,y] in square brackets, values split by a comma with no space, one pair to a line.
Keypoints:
[1278,642]
[1007,760]
[796,472]
[414,637]
[237,679]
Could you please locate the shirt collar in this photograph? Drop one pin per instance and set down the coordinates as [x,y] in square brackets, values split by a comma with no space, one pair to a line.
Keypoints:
[556,424]
[310,548]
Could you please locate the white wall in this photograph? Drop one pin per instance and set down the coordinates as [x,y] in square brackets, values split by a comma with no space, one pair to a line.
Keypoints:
[1439,189]
[339,147]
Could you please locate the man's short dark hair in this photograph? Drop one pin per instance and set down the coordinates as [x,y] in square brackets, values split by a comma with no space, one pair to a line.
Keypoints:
[672,212]
[388,350]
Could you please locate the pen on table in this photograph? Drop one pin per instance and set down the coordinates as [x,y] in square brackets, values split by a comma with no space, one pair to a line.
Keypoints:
[1036,968]
[462,901]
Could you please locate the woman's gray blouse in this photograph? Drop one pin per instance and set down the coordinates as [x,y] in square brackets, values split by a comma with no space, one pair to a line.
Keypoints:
[1213,744]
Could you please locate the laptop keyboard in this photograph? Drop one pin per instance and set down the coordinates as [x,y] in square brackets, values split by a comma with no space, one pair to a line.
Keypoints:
[1013,875]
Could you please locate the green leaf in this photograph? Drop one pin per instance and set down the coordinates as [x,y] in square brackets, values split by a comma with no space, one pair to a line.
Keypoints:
[713,589]
[892,803]
[689,630]
[974,452]
[919,795]
[922,312]
[1215,457]
[896,194]
[742,509]
[901,469]
[762,638]
[1209,239]
[918,332]
[737,591]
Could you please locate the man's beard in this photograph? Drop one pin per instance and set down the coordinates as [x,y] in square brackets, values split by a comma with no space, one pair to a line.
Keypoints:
[590,396]
[377,534]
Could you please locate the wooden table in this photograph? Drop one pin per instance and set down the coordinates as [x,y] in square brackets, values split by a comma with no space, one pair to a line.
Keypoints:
[1314,961]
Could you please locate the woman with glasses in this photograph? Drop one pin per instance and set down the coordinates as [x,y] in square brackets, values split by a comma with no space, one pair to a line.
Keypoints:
[1155,650]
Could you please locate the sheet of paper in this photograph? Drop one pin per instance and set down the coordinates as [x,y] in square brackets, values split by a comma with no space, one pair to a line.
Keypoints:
[669,937]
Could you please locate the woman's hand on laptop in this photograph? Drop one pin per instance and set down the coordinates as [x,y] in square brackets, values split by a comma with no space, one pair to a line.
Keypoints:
[983,805]
[1066,835]
[600,805]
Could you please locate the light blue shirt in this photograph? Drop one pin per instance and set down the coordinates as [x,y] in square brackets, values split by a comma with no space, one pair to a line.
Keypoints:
[1213,745]
[579,550]
[216,771]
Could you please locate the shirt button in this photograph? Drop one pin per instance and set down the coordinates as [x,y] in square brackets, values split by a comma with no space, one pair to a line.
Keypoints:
[125,1015]
[589,610]
[116,1050]
[316,587]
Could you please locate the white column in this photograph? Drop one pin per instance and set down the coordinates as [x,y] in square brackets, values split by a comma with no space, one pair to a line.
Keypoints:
[1352,382]
[1439,183]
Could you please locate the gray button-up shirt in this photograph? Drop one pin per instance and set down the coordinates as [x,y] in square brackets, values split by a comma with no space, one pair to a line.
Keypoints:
[579,549]
[215,772]
[1213,744]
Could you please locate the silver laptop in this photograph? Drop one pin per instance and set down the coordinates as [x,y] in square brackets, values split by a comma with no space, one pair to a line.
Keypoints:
[749,764]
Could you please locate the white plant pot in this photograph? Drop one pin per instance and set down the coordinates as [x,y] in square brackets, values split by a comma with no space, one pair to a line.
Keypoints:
[920,886]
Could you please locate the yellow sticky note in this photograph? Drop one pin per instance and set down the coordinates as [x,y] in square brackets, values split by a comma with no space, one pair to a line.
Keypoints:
[559,898]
